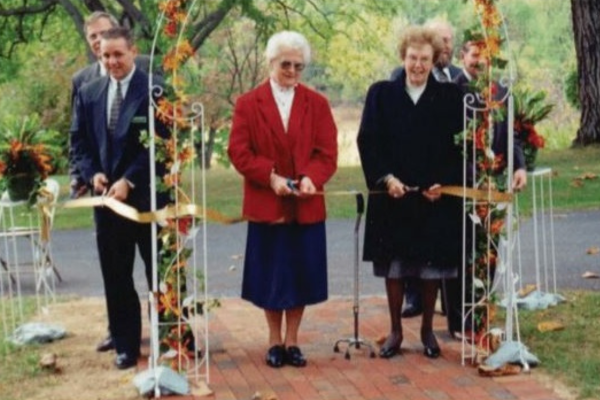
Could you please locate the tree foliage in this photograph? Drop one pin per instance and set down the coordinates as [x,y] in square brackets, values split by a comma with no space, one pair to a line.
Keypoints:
[354,44]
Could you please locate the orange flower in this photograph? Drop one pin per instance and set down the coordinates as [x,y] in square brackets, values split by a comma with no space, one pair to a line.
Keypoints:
[186,154]
[482,211]
[171,180]
[170,29]
[535,139]
[496,226]
[498,164]
[175,57]
[480,138]
[490,17]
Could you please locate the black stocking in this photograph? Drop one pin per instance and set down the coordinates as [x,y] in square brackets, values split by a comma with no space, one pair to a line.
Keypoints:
[395,295]
[430,288]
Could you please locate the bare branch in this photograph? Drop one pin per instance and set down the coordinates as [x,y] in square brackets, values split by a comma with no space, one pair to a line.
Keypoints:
[284,7]
[287,8]
[135,14]
[94,5]
[27,10]
[206,26]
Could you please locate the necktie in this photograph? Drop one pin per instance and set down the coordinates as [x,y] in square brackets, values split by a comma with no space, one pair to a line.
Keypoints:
[440,76]
[115,109]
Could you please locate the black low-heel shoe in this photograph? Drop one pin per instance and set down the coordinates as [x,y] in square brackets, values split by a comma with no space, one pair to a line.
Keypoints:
[276,356]
[389,352]
[431,348]
[432,352]
[125,360]
[294,357]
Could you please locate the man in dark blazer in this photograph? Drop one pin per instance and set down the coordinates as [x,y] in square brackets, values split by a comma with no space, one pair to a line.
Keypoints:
[471,59]
[443,71]
[95,25]
[470,55]
[113,161]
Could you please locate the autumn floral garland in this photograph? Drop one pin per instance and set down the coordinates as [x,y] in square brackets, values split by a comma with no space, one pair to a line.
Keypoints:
[175,307]
[489,172]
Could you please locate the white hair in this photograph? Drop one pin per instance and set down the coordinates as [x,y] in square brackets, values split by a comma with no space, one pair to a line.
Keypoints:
[436,24]
[285,40]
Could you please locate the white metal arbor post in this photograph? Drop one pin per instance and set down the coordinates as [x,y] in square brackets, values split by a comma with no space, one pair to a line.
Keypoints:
[185,295]
[489,226]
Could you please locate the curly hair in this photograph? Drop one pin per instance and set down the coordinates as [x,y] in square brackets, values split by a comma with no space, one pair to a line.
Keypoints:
[417,36]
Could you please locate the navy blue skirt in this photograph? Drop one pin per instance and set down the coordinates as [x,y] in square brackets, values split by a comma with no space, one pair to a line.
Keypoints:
[285,265]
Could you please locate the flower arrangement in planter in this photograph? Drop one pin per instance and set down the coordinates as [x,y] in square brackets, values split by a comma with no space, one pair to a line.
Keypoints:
[530,108]
[27,154]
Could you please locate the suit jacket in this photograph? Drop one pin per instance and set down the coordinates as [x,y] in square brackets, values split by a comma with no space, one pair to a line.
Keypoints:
[88,74]
[453,69]
[92,71]
[500,137]
[258,144]
[121,155]
[415,143]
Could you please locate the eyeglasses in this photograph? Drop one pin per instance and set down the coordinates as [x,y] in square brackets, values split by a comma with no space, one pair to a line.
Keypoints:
[287,65]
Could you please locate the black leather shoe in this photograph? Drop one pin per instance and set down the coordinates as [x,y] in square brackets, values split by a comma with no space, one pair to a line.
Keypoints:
[431,349]
[192,350]
[389,352]
[294,357]
[391,346]
[432,352]
[411,311]
[276,356]
[105,345]
[125,360]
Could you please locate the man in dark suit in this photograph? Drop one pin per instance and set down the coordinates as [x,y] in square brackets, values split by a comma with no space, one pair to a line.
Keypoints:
[443,71]
[95,25]
[471,59]
[110,114]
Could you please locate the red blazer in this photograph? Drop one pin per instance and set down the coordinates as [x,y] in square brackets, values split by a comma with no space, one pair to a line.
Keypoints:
[258,144]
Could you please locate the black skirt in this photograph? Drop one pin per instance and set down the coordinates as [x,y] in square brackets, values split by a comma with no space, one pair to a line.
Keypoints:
[285,265]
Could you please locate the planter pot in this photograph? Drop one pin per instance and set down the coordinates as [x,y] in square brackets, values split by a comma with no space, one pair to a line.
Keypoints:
[20,186]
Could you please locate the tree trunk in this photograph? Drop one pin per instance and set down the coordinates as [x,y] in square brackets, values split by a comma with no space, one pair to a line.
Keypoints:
[586,29]
[206,148]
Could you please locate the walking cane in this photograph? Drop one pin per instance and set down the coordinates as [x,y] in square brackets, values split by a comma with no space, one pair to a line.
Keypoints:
[355,341]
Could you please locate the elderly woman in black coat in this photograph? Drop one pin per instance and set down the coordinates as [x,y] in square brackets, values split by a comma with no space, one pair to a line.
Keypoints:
[407,150]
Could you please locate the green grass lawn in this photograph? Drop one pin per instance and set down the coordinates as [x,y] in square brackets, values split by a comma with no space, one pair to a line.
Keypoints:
[575,179]
[571,354]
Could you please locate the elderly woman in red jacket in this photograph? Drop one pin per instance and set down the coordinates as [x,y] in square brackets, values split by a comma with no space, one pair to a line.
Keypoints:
[284,143]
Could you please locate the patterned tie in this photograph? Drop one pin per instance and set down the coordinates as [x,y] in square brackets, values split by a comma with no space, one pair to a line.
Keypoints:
[115,109]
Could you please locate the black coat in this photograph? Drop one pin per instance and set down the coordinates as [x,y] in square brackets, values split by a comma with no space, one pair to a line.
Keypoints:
[415,143]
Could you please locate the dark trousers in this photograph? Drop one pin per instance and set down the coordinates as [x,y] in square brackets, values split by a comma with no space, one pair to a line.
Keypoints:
[412,293]
[452,293]
[117,239]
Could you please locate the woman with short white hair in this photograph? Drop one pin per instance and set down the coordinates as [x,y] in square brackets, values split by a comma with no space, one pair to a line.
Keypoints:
[284,142]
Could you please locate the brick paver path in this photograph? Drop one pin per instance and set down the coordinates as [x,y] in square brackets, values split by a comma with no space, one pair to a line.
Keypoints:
[238,370]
